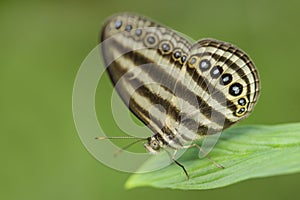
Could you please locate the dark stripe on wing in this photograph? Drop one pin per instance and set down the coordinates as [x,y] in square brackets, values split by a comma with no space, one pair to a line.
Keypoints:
[182,91]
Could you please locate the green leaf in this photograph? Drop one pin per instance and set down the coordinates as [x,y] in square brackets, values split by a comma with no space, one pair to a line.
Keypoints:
[245,152]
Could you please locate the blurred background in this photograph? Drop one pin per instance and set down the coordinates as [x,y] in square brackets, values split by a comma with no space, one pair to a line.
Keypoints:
[42,44]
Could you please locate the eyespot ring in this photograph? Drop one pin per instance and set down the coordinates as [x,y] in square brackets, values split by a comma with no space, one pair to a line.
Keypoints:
[165,47]
[151,40]
[204,64]
[241,111]
[192,62]
[176,55]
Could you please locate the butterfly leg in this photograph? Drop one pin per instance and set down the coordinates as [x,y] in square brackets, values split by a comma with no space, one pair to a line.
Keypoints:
[178,163]
[205,153]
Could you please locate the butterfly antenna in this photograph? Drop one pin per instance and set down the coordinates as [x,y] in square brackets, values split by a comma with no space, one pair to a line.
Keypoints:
[117,137]
[119,151]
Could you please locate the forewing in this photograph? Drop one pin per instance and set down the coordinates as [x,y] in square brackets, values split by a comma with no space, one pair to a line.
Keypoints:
[138,55]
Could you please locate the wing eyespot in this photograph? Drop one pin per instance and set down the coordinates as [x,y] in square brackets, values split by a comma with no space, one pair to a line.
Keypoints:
[241,111]
[235,89]
[118,24]
[204,65]
[193,61]
[151,40]
[225,79]
[138,32]
[128,27]
[165,47]
[242,101]
[216,72]
[176,54]
[183,59]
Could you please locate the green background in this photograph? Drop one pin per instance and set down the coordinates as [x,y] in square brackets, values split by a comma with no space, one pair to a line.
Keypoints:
[42,44]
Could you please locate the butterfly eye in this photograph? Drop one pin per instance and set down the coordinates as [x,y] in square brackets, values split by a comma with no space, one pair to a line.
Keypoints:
[155,145]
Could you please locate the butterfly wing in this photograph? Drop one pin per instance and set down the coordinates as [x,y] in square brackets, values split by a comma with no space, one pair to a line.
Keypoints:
[225,84]
[137,53]
[179,90]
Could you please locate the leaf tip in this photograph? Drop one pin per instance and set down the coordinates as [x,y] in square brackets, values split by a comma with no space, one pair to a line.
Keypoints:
[129,184]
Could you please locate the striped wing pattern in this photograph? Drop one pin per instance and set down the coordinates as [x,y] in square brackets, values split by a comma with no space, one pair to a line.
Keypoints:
[180,90]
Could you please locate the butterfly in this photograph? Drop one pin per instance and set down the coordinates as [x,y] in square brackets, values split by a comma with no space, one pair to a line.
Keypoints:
[181,90]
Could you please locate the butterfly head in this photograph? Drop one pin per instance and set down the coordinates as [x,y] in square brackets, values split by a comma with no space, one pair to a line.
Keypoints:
[153,145]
